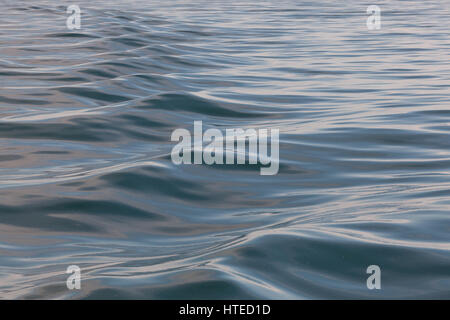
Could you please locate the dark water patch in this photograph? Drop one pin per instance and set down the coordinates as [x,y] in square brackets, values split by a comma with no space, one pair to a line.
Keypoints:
[10,157]
[71,35]
[97,207]
[149,181]
[93,94]
[36,218]
[191,104]
[74,132]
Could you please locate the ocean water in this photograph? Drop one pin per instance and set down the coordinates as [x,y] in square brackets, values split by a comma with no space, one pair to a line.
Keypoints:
[86,176]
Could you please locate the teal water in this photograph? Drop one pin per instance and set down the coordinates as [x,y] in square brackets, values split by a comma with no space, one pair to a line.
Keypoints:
[86,176]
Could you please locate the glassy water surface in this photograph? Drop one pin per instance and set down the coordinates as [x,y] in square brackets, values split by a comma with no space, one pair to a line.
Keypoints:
[86,176]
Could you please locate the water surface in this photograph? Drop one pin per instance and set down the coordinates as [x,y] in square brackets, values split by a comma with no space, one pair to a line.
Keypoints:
[85,171]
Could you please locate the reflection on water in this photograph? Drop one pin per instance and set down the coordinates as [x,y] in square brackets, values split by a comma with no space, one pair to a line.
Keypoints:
[86,177]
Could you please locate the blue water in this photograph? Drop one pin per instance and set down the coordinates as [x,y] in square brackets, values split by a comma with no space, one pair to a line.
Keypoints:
[86,176]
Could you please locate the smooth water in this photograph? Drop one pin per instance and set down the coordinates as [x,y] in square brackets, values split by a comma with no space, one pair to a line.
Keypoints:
[86,176]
